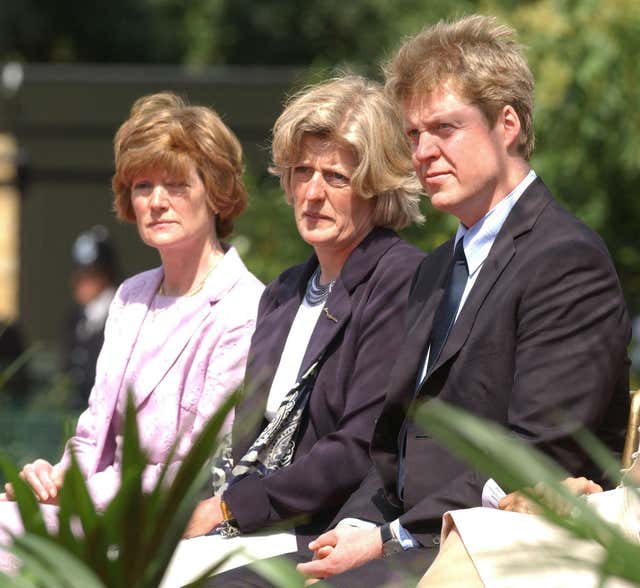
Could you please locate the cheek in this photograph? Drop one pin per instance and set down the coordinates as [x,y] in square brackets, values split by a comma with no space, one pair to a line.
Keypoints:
[137,207]
[362,211]
[297,197]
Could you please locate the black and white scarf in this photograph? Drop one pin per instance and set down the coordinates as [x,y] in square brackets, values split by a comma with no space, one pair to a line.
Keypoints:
[274,447]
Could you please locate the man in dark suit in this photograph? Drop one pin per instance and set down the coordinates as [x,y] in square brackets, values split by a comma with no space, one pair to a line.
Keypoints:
[519,319]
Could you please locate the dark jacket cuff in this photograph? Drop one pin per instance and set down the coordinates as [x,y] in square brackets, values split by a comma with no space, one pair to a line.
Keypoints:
[249,503]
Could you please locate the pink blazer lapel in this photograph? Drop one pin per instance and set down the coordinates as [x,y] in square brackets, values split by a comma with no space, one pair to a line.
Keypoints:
[174,339]
[134,305]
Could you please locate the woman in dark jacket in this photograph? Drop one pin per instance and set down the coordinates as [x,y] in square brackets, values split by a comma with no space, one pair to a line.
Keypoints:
[327,330]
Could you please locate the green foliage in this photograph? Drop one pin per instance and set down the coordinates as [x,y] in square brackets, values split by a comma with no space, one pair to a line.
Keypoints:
[514,464]
[583,55]
[132,542]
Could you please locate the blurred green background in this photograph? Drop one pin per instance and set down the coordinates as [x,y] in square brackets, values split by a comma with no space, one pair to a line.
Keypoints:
[585,55]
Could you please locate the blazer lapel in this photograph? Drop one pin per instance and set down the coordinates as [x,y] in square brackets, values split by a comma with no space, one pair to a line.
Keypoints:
[179,332]
[337,311]
[521,220]
[334,316]
[423,304]
[129,321]
[427,297]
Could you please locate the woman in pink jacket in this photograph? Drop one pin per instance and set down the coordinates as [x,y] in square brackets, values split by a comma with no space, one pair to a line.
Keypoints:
[177,336]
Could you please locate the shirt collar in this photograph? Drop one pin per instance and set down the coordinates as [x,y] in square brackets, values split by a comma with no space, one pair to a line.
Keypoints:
[480,237]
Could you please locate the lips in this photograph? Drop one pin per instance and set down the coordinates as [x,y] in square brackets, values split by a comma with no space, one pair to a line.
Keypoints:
[315,216]
[434,175]
[160,224]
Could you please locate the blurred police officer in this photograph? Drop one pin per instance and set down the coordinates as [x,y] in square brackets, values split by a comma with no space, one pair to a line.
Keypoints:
[93,284]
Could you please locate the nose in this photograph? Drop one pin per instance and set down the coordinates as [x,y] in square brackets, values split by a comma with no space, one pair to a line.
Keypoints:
[426,149]
[315,187]
[158,197]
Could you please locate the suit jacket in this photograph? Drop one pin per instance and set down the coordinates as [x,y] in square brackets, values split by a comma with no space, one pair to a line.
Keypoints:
[198,365]
[539,347]
[360,332]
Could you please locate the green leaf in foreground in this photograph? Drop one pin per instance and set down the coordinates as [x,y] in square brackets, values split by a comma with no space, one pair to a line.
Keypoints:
[496,452]
[129,544]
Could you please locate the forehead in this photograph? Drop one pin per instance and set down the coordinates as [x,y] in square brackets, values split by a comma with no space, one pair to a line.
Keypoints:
[444,101]
[328,151]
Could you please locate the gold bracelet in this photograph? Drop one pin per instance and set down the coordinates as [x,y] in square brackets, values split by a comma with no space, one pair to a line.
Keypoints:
[226,513]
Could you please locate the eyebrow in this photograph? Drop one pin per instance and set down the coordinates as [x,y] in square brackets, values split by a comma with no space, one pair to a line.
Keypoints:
[449,113]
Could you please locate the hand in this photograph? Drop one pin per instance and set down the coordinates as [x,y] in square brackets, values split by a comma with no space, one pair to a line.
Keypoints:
[582,485]
[342,549]
[205,517]
[45,481]
[518,502]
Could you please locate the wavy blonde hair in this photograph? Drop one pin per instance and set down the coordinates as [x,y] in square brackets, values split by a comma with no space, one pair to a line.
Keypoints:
[354,112]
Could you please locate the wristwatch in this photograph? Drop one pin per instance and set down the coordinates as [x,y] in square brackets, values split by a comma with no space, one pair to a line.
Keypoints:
[390,544]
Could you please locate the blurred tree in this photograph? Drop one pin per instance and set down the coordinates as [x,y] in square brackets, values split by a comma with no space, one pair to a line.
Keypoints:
[583,53]
[299,32]
[124,31]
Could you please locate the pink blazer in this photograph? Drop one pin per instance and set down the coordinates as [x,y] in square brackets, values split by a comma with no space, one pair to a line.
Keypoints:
[197,366]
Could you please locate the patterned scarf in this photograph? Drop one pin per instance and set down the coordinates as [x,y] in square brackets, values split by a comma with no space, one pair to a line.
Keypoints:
[274,447]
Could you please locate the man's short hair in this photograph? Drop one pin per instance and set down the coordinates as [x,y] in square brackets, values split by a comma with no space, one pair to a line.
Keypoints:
[479,57]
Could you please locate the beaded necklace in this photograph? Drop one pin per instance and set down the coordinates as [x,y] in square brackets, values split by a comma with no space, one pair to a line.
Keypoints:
[316,292]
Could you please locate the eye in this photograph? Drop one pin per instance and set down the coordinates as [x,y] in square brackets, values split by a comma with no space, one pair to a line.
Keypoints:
[141,186]
[176,185]
[444,128]
[414,135]
[336,179]
[302,172]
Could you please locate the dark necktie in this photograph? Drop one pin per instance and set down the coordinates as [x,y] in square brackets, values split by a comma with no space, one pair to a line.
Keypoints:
[448,308]
[442,323]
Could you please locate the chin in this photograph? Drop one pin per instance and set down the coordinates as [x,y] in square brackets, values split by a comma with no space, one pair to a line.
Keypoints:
[315,237]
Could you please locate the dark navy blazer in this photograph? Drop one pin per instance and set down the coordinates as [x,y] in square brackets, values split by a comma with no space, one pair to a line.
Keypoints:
[361,331]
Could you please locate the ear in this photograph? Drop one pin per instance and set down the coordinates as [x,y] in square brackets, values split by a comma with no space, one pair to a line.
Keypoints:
[510,123]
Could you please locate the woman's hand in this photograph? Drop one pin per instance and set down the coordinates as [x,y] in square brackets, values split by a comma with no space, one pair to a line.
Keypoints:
[518,502]
[205,517]
[45,481]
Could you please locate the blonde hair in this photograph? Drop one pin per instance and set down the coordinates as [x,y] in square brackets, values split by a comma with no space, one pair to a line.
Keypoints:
[480,58]
[164,132]
[353,112]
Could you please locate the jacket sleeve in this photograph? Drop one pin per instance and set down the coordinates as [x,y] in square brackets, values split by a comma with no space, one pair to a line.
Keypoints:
[96,417]
[337,462]
[571,334]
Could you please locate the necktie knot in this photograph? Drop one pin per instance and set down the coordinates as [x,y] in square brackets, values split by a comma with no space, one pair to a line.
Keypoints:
[459,256]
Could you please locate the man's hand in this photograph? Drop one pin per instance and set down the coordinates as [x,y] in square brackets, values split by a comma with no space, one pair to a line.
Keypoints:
[342,549]
[45,481]
[205,517]
[518,502]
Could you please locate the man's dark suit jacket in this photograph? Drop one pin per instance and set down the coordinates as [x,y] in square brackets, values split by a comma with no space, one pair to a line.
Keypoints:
[539,347]
[361,332]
